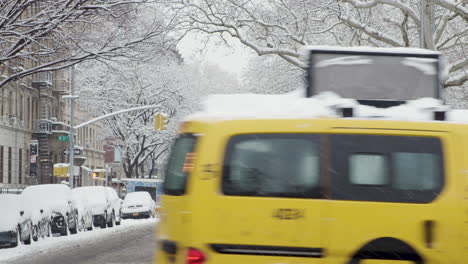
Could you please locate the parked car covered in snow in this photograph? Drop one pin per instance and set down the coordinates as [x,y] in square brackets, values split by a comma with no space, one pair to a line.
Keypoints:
[15,225]
[54,201]
[115,203]
[138,205]
[39,214]
[83,206]
[101,209]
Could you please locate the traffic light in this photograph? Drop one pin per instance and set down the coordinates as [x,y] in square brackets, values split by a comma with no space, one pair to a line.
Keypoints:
[160,121]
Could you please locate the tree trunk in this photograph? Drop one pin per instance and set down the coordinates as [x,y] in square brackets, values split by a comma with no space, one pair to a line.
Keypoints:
[427,25]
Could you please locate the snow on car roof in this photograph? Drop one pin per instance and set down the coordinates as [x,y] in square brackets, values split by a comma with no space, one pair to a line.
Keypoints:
[327,104]
[46,196]
[9,204]
[46,191]
[133,196]
[92,192]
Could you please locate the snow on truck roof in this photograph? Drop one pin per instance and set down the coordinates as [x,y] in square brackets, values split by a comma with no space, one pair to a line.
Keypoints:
[324,105]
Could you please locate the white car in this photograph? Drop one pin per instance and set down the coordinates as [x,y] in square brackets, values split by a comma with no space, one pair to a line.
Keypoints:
[83,205]
[101,203]
[54,202]
[115,203]
[15,225]
[138,205]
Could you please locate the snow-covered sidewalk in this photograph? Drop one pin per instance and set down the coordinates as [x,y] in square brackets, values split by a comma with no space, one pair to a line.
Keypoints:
[53,244]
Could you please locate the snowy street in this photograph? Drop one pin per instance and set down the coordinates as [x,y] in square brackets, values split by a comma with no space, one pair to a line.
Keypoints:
[131,242]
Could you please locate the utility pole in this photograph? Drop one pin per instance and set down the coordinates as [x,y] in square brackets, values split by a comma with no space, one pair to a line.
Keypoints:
[72,97]
[107,175]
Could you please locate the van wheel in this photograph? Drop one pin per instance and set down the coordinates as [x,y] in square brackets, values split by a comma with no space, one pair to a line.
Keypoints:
[386,248]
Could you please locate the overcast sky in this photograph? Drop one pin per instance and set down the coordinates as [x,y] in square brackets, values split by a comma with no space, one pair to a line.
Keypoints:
[232,59]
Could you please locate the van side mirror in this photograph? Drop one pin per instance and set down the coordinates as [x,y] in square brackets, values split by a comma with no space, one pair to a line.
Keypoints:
[21,213]
[42,211]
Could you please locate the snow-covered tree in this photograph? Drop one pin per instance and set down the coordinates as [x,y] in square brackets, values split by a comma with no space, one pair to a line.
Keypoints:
[399,24]
[272,75]
[161,81]
[278,27]
[282,27]
[47,35]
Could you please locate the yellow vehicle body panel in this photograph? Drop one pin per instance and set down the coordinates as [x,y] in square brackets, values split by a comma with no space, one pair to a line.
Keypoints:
[336,229]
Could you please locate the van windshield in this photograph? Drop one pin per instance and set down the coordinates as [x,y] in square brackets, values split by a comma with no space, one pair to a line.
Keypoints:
[178,166]
[279,165]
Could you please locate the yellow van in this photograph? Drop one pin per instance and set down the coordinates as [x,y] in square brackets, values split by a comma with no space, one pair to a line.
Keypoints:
[316,191]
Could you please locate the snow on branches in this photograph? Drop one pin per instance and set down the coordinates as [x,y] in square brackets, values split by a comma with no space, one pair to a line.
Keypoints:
[48,35]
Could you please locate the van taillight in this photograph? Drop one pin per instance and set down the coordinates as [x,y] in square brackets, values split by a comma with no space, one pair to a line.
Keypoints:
[195,256]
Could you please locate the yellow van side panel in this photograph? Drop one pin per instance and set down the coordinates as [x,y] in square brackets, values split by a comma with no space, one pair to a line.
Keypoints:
[204,216]
[463,172]
[352,224]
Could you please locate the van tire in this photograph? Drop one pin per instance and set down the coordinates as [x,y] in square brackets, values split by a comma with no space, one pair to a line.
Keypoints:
[386,248]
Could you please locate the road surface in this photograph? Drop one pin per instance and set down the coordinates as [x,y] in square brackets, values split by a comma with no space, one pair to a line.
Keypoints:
[134,244]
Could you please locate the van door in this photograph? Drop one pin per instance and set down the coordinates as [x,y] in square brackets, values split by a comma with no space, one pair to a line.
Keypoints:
[269,203]
[174,228]
[391,198]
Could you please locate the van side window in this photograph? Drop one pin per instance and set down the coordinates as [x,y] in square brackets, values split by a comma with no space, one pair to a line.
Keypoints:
[176,171]
[406,169]
[416,171]
[273,165]
[368,169]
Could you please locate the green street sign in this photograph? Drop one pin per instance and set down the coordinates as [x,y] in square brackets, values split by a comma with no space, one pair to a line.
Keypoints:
[63,138]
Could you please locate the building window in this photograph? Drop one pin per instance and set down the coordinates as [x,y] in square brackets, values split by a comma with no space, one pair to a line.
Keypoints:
[21,107]
[2,103]
[10,103]
[20,166]
[28,111]
[9,165]
[1,164]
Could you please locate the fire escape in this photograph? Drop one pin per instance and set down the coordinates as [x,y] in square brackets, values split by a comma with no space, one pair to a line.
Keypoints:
[43,126]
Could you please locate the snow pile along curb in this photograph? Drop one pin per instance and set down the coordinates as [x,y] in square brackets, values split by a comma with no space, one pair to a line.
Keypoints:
[53,244]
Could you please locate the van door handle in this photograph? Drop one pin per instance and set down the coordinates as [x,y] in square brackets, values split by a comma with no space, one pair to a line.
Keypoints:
[429,236]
